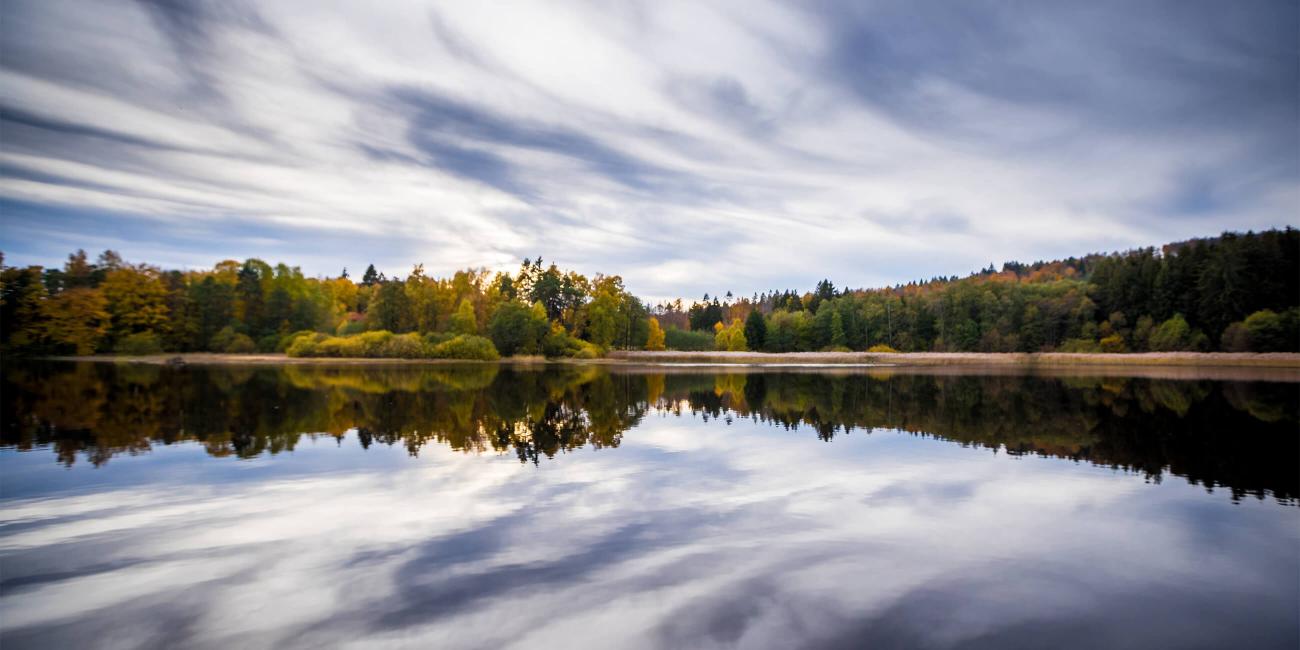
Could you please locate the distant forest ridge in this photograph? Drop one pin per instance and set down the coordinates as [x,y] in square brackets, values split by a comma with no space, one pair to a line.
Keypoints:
[1234,292]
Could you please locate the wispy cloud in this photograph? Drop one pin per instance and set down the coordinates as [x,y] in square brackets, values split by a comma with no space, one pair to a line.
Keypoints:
[691,148]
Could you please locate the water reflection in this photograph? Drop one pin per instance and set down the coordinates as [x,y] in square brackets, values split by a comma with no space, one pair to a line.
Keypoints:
[1234,434]
[721,520]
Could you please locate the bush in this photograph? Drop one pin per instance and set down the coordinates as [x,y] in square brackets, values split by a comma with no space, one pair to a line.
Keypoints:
[269,343]
[386,345]
[1171,335]
[1114,343]
[1080,346]
[882,348]
[405,346]
[240,344]
[559,343]
[221,340]
[350,327]
[466,346]
[285,341]
[139,344]
[1267,333]
[676,339]
[305,346]
[1235,338]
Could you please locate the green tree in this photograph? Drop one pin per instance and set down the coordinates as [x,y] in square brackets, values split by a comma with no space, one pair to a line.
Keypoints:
[390,308]
[518,329]
[1172,335]
[1267,333]
[21,295]
[838,339]
[756,329]
[464,321]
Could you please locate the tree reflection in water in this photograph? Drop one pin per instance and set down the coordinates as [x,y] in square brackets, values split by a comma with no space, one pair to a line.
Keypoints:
[1232,434]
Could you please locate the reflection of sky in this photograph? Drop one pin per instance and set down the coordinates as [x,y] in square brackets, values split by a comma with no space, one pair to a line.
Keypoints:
[688,535]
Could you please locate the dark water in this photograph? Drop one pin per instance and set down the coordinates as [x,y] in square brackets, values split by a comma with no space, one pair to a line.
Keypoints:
[579,507]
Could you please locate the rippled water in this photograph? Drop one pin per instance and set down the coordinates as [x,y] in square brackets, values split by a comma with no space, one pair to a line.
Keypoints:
[585,507]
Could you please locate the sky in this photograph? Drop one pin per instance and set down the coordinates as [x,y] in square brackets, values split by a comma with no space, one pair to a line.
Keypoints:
[688,147]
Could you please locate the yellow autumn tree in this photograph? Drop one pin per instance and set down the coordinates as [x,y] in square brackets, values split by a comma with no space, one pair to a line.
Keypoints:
[137,300]
[655,339]
[76,318]
[730,338]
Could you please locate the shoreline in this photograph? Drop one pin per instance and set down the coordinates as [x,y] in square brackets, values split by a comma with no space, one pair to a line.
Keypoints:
[1285,360]
[1282,360]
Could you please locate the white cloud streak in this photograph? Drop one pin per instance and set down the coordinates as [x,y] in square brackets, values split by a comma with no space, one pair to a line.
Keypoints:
[689,147]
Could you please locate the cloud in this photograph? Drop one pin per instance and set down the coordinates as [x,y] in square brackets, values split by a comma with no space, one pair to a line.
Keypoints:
[690,148]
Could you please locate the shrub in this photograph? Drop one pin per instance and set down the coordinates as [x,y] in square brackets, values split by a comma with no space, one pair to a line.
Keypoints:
[405,346]
[350,327]
[434,338]
[1235,338]
[240,344]
[1080,346]
[305,346]
[559,343]
[466,346]
[882,348]
[269,343]
[138,344]
[1171,335]
[1114,343]
[676,339]
[1266,332]
[221,340]
[285,341]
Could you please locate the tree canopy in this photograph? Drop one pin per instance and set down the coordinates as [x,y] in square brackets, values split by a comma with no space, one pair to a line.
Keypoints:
[1235,292]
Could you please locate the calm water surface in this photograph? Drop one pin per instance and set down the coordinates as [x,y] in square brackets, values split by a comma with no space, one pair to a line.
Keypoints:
[582,507]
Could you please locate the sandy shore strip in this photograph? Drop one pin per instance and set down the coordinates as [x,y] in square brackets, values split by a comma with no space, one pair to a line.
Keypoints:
[1156,365]
[1041,359]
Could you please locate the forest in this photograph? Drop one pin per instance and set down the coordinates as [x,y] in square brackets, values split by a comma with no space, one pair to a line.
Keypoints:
[1235,292]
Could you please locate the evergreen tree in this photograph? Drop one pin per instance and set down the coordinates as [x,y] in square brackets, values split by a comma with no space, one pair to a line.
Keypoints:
[756,330]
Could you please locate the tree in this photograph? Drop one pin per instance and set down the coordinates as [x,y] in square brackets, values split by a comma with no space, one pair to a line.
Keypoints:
[21,295]
[730,338]
[213,305]
[755,329]
[371,277]
[821,325]
[1267,333]
[464,320]
[655,339]
[838,340]
[390,308]
[76,318]
[1173,334]
[517,329]
[137,300]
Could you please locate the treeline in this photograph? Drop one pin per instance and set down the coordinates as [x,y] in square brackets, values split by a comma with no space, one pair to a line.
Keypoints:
[251,306]
[1236,292]
[1234,434]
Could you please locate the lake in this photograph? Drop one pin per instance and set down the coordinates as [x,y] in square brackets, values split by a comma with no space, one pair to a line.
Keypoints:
[570,506]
